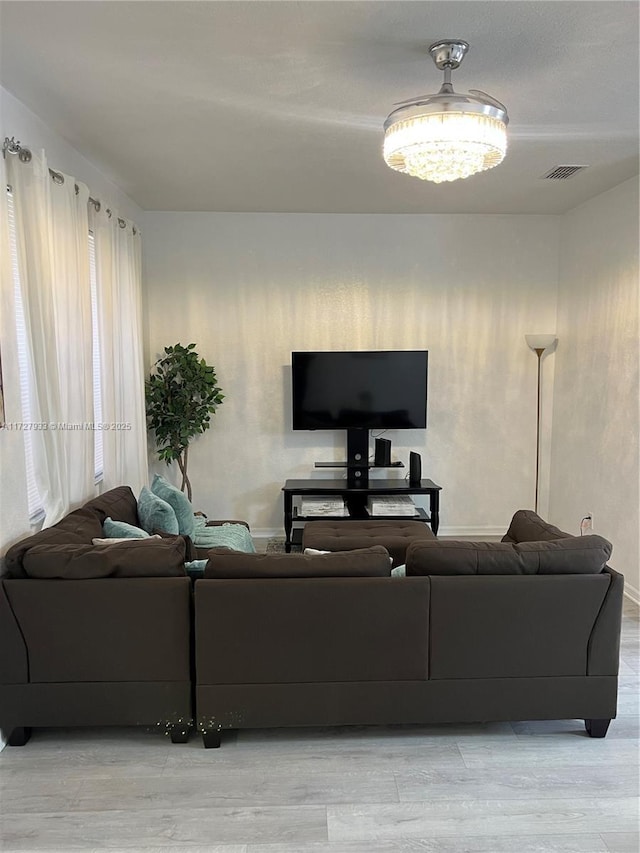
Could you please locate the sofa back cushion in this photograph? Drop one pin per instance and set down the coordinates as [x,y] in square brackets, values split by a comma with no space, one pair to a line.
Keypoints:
[574,555]
[136,558]
[119,504]
[364,562]
[77,528]
[527,526]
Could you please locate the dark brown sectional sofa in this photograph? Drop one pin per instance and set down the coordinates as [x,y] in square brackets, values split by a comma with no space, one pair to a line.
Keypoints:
[95,635]
[517,630]
[118,635]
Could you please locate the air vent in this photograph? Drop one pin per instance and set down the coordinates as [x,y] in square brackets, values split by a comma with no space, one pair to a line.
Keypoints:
[561,173]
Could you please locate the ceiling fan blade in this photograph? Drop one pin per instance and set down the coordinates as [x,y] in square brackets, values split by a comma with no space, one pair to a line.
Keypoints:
[493,101]
[412,100]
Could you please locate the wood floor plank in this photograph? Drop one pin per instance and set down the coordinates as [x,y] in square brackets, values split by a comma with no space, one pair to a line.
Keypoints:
[357,757]
[482,817]
[581,843]
[574,751]
[163,828]
[52,795]
[31,758]
[216,848]
[622,842]
[250,788]
[542,783]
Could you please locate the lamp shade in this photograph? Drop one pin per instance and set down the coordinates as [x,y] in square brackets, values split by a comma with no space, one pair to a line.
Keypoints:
[540,341]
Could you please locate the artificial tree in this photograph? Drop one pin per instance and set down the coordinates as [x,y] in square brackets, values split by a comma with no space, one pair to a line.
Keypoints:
[181,396]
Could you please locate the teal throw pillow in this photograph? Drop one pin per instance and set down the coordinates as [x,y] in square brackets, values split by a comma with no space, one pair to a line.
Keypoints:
[156,514]
[195,568]
[122,530]
[178,501]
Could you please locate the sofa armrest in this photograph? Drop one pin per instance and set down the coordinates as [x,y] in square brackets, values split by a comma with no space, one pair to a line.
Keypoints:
[113,629]
[603,656]
[14,665]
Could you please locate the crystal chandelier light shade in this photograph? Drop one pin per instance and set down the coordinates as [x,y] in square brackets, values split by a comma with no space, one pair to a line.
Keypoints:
[446,136]
[445,146]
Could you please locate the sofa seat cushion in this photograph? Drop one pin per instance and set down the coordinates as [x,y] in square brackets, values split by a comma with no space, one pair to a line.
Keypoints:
[395,536]
[574,555]
[365,562]
[135,558]
[527,526]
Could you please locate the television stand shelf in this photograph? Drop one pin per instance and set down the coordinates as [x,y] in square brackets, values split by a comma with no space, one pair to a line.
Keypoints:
[356,465]
[355,497]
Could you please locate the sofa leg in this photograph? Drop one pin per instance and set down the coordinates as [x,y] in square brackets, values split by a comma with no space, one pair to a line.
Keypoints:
[18,736]
[211,738]
[596,728]
[179,733]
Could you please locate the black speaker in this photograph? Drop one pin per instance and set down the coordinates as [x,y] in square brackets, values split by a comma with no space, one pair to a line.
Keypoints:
[382,454]
[415,469]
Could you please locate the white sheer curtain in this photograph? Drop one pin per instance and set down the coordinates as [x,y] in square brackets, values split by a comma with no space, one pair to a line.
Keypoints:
[51,226]
[119,291]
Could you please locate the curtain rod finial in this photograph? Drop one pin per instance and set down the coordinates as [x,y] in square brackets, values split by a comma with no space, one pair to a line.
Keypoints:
[14,147]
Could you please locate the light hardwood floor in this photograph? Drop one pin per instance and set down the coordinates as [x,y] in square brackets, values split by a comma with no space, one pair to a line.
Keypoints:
[524,787]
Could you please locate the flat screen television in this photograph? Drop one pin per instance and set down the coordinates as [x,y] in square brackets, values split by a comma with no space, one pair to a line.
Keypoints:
[384,389]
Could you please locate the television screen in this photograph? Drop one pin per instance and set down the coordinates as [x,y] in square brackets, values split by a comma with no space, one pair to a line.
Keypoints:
[366,390]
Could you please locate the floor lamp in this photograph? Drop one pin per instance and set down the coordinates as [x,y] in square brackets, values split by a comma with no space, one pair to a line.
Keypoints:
[539,343]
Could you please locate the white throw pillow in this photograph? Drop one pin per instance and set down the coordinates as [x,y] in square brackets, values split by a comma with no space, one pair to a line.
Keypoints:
[124,539]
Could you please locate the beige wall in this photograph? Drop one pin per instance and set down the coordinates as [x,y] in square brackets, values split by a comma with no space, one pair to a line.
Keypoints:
[594,460]
[250,288]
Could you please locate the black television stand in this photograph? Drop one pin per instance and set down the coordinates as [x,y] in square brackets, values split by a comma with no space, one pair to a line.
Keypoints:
[357,463]
[357,458]
[355,499]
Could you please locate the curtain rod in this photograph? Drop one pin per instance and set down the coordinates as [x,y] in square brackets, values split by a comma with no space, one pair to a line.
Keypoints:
[24,155]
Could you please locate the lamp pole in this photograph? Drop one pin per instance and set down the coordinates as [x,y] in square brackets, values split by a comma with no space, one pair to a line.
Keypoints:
[539,343]
[538,351]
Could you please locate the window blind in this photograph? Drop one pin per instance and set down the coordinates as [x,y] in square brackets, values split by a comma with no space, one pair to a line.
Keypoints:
[34,502]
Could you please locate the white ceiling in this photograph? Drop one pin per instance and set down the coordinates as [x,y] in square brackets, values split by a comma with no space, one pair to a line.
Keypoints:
[279,105]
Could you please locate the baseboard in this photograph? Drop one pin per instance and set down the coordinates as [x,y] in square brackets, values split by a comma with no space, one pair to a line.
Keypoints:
[266,532]
[480,532]
[632,593]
